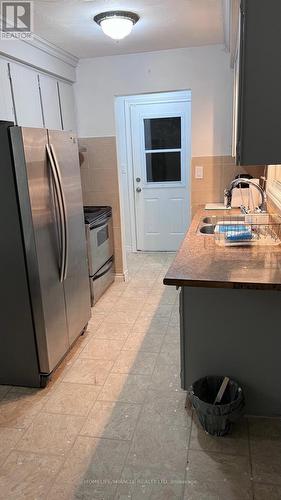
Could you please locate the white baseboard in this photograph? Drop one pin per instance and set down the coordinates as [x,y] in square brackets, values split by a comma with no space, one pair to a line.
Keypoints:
[121,277]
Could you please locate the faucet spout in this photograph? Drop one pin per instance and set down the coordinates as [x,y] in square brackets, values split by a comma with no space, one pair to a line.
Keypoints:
[228,193]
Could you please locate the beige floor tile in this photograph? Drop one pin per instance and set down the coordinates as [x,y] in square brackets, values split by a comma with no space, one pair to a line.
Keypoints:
[106,304]
[174,319]
[151,310]
[154,322]
[18,409]
[27,475]
[134,292]
[218,467]
[158,444]
[170,343]
[4,389]
[162,297]
[235,443]
[169,408]
[135,362]
[125,388]
[51,434]
[139,281]
[143,489]
[95,322]
[123,317]
[267,492]
[8,440]
[149,327]
[143,341]
[72,399]
[89,371]
[166,374]
[91,471]
[265,448]
[112,420]
[128,305]
[113,331]
[102,349]
[231,489]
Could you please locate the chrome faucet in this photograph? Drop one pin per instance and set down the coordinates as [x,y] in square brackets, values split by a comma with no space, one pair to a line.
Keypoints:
[228,194]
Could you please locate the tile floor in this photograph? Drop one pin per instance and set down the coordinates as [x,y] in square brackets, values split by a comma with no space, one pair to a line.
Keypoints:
[112,424]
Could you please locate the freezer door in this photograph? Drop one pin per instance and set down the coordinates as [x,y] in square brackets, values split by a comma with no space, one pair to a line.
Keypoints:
[41,232]
[64,149]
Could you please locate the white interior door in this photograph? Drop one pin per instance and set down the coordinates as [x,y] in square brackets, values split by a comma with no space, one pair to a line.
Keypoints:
[161,134]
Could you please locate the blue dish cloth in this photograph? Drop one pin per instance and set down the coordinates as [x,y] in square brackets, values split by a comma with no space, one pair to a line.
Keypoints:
[239,235]
[225,228]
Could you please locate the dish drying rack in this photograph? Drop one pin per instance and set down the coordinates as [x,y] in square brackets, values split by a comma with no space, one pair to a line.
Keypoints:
[255,229]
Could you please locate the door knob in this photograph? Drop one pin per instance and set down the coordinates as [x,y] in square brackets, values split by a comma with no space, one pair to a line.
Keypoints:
[138,190]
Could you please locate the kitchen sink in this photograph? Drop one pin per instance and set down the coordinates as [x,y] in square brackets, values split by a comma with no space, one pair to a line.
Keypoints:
[207,229]
[213,219]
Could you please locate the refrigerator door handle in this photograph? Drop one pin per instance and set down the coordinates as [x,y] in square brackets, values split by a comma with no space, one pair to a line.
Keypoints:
[65,227]
[60,207]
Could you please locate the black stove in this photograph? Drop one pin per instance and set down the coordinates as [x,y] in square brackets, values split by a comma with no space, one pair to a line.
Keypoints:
[96,214]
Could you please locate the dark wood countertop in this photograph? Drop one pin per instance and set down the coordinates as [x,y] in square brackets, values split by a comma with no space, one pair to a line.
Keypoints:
[200,262]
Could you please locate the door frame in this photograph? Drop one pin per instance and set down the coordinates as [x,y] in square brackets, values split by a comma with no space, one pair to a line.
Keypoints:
[123,106]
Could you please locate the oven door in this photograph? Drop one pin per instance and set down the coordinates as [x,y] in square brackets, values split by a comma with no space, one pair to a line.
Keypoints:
[100,244]
[102,280]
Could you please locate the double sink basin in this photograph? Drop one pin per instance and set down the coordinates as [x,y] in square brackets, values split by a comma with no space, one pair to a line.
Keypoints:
[208,224]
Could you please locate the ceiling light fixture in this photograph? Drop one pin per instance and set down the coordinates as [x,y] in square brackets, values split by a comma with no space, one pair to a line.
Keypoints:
[116,23]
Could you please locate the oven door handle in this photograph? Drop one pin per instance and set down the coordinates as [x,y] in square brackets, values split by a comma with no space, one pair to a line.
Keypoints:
[110,265]
[100,224]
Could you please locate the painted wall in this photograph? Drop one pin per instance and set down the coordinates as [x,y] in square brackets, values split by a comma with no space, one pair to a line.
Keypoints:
[204,70]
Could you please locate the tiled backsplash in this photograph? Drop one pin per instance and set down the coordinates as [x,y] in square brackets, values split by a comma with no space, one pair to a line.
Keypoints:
[100,183]
[219,171]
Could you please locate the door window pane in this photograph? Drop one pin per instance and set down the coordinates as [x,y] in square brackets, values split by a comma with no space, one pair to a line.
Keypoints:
[162,133]
[163,167]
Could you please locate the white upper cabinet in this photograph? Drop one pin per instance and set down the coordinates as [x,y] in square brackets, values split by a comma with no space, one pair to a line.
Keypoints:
[50,102]
[27,96]
[67,106]
[6,100]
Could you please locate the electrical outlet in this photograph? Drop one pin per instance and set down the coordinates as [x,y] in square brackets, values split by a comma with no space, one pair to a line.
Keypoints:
[199,172]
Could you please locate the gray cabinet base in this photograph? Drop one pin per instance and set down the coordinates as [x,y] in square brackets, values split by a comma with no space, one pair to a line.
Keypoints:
[235,333]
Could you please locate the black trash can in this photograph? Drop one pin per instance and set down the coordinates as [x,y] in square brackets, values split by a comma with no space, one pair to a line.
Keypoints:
[217,419]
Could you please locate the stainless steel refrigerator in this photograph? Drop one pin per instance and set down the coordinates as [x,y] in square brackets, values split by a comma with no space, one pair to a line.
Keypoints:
[44,290]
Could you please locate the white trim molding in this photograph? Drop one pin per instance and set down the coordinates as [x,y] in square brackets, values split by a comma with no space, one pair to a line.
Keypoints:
[226,23]
[53,50]
[231,14]
[273,184]
[123,106]
[41,55]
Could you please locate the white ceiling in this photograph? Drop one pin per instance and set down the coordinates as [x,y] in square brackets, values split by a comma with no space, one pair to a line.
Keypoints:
[164,24]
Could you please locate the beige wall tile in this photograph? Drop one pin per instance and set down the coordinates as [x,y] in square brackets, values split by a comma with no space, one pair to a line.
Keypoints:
[99,173]
[218,173]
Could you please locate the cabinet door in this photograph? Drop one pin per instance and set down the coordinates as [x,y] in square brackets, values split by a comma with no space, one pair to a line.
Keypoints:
[259,109]
[6,101]
[27,96]
[67,106]
[50,102]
